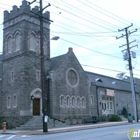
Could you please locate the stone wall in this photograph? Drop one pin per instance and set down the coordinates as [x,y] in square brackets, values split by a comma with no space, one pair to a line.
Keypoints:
[123,99]
[93,100]
[13,122]
[23,62]
[61,87]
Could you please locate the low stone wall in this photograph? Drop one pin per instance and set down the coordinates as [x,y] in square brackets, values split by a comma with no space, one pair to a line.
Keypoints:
[13,122]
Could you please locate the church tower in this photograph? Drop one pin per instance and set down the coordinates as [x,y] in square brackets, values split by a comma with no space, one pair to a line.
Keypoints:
[21,62]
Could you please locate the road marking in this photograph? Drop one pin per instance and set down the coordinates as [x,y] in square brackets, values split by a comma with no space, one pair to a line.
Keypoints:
[2,136]
[11,137]
[122,132]
[24,136]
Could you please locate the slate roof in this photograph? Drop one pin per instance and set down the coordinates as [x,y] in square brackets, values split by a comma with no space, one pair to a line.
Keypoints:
[55,61]
[110,82]
[1,56]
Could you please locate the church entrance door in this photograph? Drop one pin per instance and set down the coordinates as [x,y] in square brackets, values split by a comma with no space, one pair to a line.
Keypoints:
[36,107]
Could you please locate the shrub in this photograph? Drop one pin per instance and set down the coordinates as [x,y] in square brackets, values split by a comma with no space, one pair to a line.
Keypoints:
[115,118]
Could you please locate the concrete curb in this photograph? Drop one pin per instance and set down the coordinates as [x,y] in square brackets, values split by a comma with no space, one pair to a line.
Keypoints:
[65,129]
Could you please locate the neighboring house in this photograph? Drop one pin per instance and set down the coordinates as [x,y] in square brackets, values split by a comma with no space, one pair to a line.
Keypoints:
[71,94]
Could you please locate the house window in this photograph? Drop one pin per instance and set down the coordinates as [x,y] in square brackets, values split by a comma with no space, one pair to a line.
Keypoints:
[68,101]
[9,102]
[62,101]
[12,75]
[91,99]
[15,101]
[83,102]
[33,43]
[78,102]
[107,105]
[72,77]
[9,45]
[73,101]
[45,45]
[17,42]
[37,75]
[110,105]
[38,46]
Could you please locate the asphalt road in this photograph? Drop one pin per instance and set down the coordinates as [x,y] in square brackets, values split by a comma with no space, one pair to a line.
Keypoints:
[106,133]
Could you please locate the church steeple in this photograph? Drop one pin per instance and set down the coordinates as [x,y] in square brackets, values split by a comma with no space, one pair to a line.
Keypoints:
[22,31]
[21,58]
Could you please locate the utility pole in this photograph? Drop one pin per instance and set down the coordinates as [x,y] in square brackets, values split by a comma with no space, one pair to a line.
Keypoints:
[127,56]
[44,108]
[45,127]
[44,104]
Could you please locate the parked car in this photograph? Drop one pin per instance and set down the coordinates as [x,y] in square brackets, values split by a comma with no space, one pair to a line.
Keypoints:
[93,119]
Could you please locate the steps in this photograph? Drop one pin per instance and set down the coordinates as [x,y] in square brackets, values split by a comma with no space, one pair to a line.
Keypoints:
[123,118]
[36,123]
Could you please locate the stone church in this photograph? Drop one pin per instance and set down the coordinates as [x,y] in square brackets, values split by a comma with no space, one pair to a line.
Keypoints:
[71,93]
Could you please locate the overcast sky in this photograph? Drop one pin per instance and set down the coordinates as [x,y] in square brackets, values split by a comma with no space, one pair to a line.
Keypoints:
[90,27]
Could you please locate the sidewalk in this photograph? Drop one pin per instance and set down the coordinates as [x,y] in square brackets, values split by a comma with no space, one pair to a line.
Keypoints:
[65,129]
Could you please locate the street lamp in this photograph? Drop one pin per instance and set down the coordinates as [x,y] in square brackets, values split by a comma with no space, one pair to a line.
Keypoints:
[55,38]
[44,99]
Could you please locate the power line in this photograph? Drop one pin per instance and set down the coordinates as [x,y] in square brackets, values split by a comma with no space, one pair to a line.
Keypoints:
[89,49]
[78,10]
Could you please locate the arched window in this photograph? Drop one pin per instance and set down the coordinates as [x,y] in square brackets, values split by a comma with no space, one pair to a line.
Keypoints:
[17,41]
[15,101]
[78,102]
[73,101]
[33,42]
[9,44]
[9,102]
[83,102]
[91,99]
[38,46]
[62,101]
[68,101]
[45,45]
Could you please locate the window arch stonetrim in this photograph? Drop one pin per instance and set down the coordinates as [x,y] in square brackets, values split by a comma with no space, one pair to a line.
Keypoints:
[68,101]
[32,35]
[83,102]
[67,78]
[73,101]
[62,100]
[78,102]
[14,101]
[9,101]
[9,45]
[17,41]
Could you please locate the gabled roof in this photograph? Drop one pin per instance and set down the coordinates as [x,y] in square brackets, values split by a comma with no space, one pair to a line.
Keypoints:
[110,82]
[56,61]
